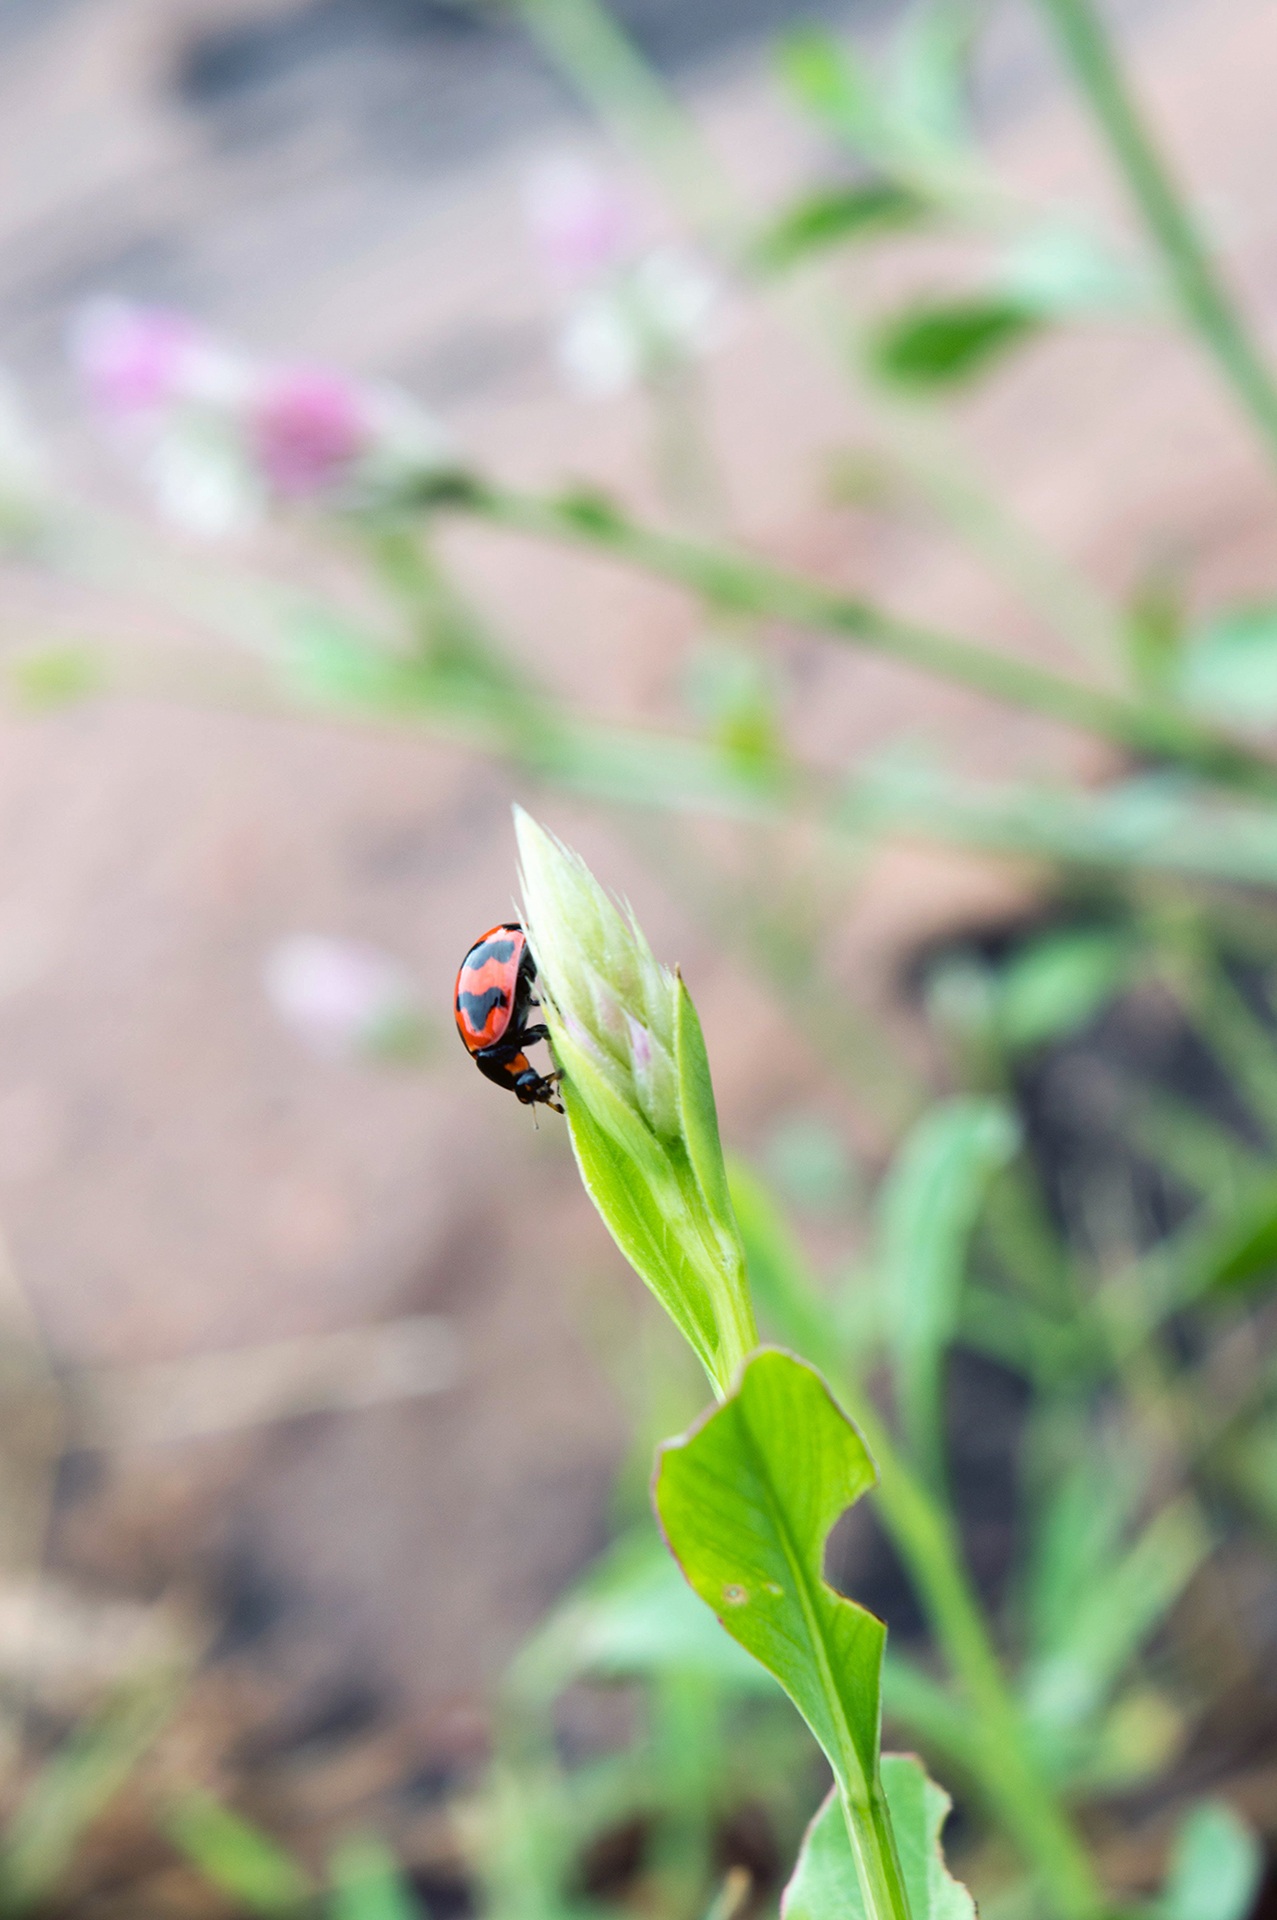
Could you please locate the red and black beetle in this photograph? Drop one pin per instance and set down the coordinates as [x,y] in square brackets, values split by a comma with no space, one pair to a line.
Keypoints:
[494,1001]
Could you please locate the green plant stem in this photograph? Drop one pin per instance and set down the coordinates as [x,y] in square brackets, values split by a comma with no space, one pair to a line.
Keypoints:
[740,583]
[873,1848]
[1202,295]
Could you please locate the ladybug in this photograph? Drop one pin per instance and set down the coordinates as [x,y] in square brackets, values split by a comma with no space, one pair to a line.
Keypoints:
[493,1002]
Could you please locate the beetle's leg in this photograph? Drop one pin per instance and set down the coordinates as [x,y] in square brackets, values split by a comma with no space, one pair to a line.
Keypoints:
[531,1035]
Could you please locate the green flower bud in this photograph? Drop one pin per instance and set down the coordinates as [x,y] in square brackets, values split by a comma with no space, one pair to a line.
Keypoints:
[639,1101]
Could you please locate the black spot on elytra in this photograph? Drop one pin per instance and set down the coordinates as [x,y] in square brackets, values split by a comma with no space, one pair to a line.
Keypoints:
[498,950]
[477,1006]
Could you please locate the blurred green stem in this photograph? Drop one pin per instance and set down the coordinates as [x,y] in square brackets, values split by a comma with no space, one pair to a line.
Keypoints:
[1206,302]
[740,583]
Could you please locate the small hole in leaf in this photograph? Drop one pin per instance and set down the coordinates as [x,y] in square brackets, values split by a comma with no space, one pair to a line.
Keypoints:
[735,1596]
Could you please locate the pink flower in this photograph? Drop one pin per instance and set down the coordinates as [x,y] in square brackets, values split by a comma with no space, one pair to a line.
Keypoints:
[580,220]
[307,428]
[342,998]
[134,360]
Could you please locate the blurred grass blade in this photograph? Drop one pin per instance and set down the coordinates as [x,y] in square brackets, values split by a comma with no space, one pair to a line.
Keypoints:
[929,345]
[927,1211]
[367,1884]
[236,1856]
[831,218]
[1116,1612]
[822,1886]
[1078,1537]
[76,1785]
[1215,1869]
[746,1500]
[1058,983]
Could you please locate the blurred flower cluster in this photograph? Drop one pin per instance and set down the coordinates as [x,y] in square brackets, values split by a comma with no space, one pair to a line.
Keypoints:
[634,312]
[345,1000]
[222,437]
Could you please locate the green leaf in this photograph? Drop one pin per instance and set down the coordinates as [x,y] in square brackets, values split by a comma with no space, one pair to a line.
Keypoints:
[76,1785]
[928,1208]
[1249,1464]
[236,1856]
[1216,1864]
[1240,1252]
[1078,1535]
[823,1885]
[1057,983]
[825,77]
[367,1883]
[639,1203]
[944,343]
[50,677]
[699,1116]
[834,216]
[1230,668]
[746,1500]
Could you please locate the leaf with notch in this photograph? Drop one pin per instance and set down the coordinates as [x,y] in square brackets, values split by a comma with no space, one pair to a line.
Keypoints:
[746,1501]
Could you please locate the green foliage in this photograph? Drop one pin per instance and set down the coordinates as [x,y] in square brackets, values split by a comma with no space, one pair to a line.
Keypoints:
[1229,667]
[1239,1252]
[933,344]
[1120,1597]
[640,1102]
[77,1785]
[823,1884]
[746,1501]
[829,82]
[1062,272]
[237,1856]
[50,677]
[367,1884]
[927,1211]
[832,217]
[1215,1867]
[1058,983]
